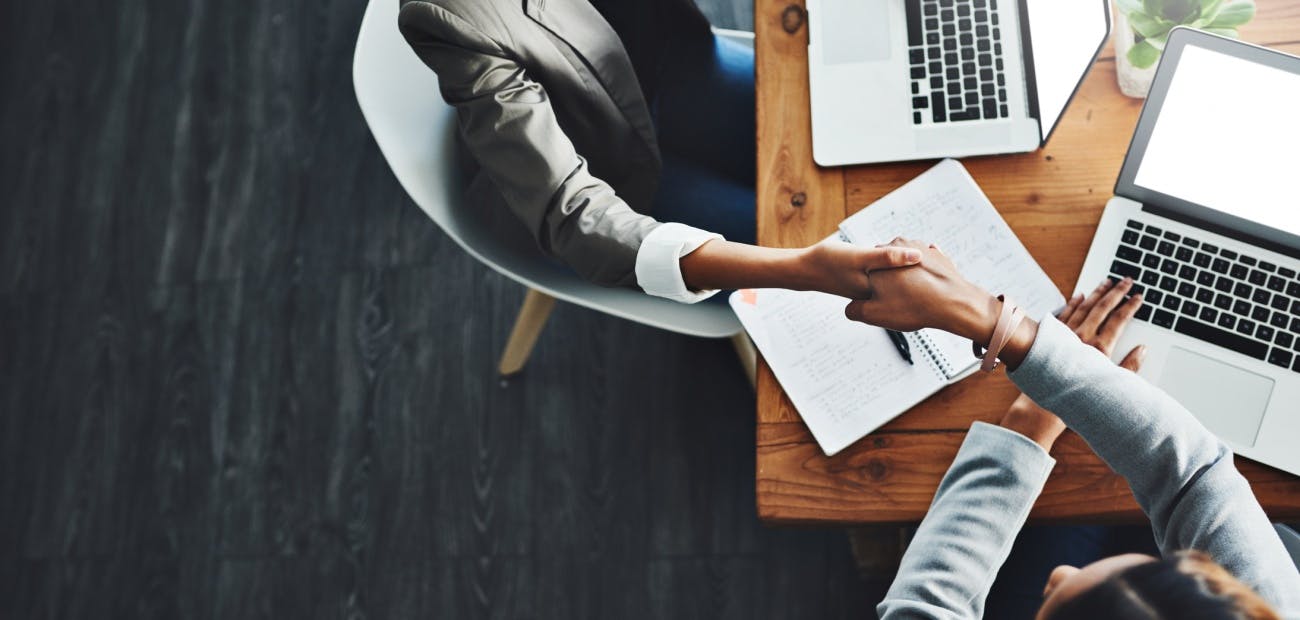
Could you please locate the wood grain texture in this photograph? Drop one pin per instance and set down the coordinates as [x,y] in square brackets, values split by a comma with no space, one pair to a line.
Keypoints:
[1052,198]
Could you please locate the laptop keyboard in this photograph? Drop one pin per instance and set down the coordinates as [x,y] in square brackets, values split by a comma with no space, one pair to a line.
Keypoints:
[955,54]
[1213,294]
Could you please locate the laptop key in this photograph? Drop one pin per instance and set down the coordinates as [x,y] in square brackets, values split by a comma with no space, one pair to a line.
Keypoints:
[1285,273]
[1214,335]
[1201,260]
[1228,254]
[1125,269]
[1222,302]
[1260,313]
[1187,272]
[1144,312]
[1261,296]
[1165,248]
[1208,314]
[1227,320]
[1205,278]
[1280,357]
[1258,277]
[1279,302]
[1151,261]
[1219,266]
[1241,308]
[1204,295]
[1191,308]
[1172,303]
[1168,266]
[1238,271]
[1264,332]
[1293,289]
[1242,290]
[1186,289]
[1168,284]
[1183,254]
[1163,318]
[1245,327]
[1128,253]
[913,21]
[1284,339]
[1267,266]
[1276,284]
[1150,278]
[1134,224]
[1279,320]
[1147,243]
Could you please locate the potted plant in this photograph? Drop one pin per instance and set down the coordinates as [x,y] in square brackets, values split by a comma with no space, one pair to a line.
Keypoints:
[1142,26]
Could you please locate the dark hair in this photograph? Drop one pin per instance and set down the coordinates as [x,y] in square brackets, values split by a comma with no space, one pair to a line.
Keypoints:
[1188,585]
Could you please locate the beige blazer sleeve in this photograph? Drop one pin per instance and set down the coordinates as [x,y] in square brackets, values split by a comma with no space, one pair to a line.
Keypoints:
[508,125]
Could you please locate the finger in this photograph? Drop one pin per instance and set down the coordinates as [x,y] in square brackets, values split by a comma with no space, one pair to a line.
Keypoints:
[889,257]
[1102,309]
[1133,361]
[1070,307]
[863,311]
[1114,325]
[1088,302]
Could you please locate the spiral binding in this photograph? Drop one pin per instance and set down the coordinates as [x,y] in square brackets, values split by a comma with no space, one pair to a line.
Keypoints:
[938,361]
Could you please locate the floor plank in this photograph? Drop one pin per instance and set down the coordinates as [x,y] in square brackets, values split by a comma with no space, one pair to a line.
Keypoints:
[245,377]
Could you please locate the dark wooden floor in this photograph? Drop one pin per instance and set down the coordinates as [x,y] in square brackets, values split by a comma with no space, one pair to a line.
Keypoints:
[243,376]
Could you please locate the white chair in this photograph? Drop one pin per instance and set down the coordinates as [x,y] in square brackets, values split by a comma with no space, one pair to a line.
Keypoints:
[415,130]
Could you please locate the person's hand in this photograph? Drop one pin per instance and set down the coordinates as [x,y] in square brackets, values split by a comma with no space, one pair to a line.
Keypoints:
[845,269]
[1098,319]
[930,294]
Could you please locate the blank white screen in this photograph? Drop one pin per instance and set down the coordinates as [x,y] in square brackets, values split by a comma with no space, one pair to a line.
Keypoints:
[1228,138]
[1064,35]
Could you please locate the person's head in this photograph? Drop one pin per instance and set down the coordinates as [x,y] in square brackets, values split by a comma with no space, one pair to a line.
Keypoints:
[1131,587]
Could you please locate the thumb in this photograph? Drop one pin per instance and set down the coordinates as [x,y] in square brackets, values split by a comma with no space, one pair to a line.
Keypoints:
[1133,361]
[890,256]
[863,311]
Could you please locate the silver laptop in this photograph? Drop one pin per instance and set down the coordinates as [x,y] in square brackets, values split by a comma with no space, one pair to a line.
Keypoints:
[1206,219]
[895,80]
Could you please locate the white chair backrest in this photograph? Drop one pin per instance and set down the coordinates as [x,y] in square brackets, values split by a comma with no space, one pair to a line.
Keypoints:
[415,130]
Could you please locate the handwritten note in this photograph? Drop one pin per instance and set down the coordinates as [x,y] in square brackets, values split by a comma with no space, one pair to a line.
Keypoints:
[845,378]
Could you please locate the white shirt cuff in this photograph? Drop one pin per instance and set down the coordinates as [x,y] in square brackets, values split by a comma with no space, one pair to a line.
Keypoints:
[658,261]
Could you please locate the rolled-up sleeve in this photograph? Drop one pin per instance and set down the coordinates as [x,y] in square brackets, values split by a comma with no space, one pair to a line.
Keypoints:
[658,262]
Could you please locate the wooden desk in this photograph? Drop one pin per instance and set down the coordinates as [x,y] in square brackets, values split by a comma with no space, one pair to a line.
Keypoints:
[1052,198]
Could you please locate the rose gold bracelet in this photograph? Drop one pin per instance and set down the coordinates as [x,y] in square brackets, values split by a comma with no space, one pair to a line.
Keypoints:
[1008,320]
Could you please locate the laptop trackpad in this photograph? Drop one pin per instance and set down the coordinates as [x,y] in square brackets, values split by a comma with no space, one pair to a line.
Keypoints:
[854,31]
[1226,399]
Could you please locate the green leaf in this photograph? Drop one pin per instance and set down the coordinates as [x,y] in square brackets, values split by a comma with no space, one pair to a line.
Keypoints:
[1210,8]
[1149,27]
[1231,33]
[1154,8]
[1157,42]
[1130,7]
[1180,11]
[1234,14]
[1143,55]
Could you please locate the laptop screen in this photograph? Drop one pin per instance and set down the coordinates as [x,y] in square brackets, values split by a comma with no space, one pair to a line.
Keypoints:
[1218,141]
[1228,138]
[1064,36]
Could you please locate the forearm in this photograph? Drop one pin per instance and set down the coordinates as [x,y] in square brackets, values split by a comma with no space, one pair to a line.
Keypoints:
[723,264]
[979,507]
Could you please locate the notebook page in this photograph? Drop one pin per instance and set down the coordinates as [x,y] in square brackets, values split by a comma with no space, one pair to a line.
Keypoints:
[944,206]
[845,378]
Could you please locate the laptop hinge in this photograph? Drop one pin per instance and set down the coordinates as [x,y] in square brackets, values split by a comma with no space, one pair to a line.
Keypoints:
[1217,229]
[1031,79]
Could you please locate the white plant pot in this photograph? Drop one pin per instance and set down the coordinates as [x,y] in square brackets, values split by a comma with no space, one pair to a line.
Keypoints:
[1133,81]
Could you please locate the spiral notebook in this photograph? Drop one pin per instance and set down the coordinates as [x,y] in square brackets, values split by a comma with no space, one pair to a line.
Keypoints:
[846,379]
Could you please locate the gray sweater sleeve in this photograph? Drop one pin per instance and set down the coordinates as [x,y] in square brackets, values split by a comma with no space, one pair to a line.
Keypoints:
[979,507]
[1182,476]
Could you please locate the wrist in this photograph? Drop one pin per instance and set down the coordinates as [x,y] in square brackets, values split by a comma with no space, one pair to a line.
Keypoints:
[976,316]
[1038,425]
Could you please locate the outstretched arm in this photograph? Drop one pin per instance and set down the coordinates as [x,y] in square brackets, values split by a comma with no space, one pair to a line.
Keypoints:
[508,124]
[1180,473]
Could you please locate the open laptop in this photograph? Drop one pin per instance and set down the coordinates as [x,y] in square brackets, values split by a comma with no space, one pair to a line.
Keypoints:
[1206,219]
[895,80]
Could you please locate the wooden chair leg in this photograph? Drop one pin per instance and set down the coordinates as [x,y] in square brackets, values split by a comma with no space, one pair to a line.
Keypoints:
[748,356]
[528,326]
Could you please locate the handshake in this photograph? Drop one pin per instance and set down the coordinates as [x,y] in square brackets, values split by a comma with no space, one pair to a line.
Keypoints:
[907,285]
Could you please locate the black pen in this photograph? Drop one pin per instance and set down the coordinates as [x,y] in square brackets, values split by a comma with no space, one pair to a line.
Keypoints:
[900,343]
